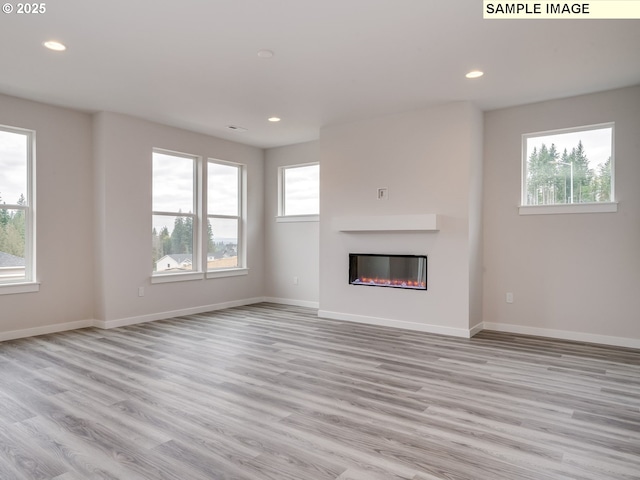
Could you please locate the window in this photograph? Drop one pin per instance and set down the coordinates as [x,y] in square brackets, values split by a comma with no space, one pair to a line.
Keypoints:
[299,190]
[224,215]
[175,218]
[17,232]
[568,170]
[179,212]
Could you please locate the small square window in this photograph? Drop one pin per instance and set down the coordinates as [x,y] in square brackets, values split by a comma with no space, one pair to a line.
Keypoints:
[569,167]
[299,192]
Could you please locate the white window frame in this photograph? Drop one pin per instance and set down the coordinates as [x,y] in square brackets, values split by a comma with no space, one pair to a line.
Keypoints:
[282,217]
[241,216]
[196,273]
[564,208]
[28,284]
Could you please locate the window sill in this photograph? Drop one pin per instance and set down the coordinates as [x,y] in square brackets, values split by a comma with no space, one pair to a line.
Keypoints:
[12,288]
[297,218]
[190,276]
[604,207]
[231,272]
[176,277]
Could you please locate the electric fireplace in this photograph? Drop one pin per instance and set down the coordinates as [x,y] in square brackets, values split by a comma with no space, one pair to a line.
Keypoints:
[396,271]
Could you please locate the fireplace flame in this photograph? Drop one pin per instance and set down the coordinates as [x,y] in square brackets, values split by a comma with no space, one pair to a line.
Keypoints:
[387,282]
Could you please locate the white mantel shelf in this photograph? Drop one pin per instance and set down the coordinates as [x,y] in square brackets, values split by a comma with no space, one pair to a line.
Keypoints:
[387,223]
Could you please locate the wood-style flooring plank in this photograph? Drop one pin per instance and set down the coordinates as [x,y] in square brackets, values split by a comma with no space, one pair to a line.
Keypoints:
[270,392]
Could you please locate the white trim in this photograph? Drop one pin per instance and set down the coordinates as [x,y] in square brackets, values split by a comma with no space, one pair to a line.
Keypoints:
[580,128]
[13,288]
[123,322]
[564,335]
[476,329]
[173,214]
[600,207]
[388,322]
[228,272]
[427,222]
[176,277]
[31,213]
[295,303]
[44,330]
[297,218]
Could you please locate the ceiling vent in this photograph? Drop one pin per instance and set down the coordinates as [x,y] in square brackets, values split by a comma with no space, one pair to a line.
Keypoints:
[236,128]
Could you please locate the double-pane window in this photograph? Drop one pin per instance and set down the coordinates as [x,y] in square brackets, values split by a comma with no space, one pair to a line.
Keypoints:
[17,232]
[175,218]
[196,229]
[224,215]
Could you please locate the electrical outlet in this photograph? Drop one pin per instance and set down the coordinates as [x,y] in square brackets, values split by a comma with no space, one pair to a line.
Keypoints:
[141,291]
[295,281]
[509,297]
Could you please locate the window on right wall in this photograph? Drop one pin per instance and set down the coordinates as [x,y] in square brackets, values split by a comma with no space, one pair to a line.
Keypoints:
[569,170]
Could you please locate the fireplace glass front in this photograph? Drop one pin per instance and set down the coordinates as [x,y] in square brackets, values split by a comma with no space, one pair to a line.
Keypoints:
[396,271]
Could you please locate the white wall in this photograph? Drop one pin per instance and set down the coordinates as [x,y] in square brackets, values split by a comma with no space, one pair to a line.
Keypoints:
[291,249]
[576,273]
[123,156]
[426,159]
[572,275]
[64,202]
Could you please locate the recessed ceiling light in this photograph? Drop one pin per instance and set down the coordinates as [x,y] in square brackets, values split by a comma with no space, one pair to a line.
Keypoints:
[53,45]
[474,74]
[274,119]
[265,54]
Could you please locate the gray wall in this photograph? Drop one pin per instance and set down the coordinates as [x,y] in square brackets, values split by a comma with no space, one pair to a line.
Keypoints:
[123,159]
[574,272]
[93,200]
[64,200]
[292,249]
[573,275]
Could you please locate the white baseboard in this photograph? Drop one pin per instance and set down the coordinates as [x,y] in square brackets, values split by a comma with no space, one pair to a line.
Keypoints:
[388,322]
[123,322]
[476,329]
[385,322]
[295,303]
[35,331]
[564,335]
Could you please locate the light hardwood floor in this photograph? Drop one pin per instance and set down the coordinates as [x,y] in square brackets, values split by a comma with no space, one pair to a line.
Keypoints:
[273,392]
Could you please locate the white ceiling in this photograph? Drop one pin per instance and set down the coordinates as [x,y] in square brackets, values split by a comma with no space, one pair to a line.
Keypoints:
[194,64]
